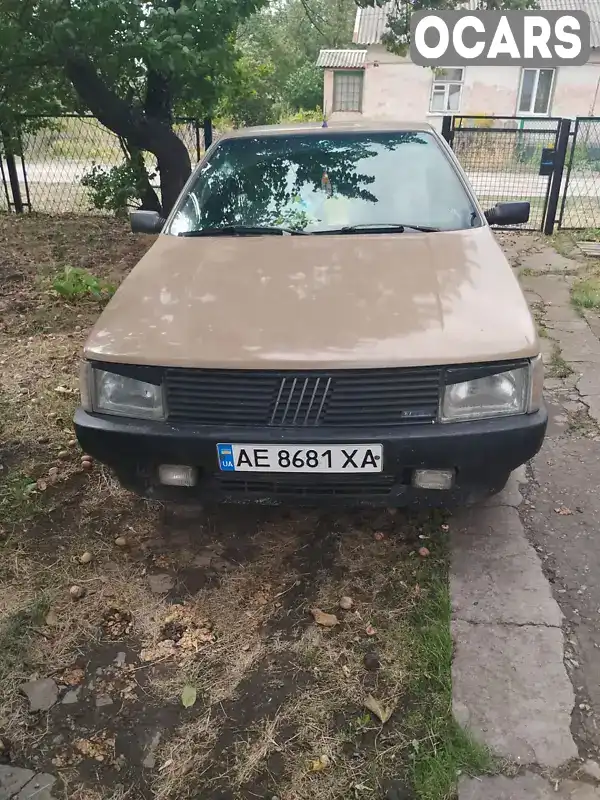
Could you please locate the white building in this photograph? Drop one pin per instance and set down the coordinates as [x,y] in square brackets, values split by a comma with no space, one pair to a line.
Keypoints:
[374,82]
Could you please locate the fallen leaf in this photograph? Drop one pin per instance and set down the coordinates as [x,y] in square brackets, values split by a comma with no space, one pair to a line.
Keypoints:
[320,763]
[321,618]
[423,552]
[375,707]
[563,511]
[188,696]
[370,630]
[72,676]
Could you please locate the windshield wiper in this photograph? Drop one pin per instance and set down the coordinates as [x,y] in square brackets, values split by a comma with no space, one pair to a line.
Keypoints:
[244,230]
[380,227]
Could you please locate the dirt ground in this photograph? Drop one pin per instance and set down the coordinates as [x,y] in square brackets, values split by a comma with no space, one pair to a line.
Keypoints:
[190,663]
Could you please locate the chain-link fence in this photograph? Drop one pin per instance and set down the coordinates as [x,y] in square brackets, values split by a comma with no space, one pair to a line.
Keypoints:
[53,167]
[502,157]
[580,206]
[54,163]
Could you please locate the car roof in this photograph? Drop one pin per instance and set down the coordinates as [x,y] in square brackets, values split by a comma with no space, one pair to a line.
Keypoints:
[373,126]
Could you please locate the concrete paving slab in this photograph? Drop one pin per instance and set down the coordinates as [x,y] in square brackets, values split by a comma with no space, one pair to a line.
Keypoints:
[38,788]
[553,289]
[592,319]
[42,694]
[547,259]
[12,780]
[511,690]
[496,576]
[572,324]
[589,379]
[524,787]
[588,386]
[574,790]
[579,346]
[557,315]
[499,787]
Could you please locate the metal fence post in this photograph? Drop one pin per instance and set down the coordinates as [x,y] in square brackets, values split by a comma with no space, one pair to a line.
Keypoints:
[562,143]
[13,175]
[208,133]
[447,129]
[197,136]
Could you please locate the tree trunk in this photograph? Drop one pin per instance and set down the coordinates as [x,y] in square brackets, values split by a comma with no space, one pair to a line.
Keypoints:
[140,129]
[146,193]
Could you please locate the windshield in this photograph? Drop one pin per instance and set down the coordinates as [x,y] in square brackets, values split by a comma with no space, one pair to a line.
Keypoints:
[318,183]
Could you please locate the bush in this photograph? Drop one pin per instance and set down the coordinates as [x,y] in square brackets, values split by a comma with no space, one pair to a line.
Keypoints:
[116,189]
[75,283]
[308,115]
[483,121]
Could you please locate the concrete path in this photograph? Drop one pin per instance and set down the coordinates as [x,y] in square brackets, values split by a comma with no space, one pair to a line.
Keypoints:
[24,784]
[524,576]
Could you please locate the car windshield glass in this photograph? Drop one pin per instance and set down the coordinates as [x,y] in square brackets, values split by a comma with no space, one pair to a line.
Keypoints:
[326,181]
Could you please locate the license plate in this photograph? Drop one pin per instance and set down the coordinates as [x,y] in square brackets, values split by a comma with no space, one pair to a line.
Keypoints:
[339,458]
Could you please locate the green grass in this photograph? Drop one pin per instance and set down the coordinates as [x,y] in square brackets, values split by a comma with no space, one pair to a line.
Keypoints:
[558,367]
[16,632]
[587,235]
[586,293]
[442,750]
[18,497]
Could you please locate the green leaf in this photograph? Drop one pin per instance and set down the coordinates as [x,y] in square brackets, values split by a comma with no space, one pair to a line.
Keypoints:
[188,696]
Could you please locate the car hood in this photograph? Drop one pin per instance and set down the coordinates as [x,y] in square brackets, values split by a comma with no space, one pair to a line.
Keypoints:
[296,302]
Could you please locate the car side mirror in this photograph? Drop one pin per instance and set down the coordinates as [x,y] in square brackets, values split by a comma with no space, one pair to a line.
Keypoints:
[508,213]
[146,221]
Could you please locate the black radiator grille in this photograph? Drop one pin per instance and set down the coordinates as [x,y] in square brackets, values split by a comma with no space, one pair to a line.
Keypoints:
[302,485]
[343,398]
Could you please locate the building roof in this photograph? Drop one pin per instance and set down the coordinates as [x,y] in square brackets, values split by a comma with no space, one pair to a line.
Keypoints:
[342,59]
[372,22]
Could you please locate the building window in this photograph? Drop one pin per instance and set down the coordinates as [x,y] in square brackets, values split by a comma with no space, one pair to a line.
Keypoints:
[535,91]
[347,90]
[446,90]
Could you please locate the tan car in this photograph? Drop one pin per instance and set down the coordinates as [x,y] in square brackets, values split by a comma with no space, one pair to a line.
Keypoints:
[326,315]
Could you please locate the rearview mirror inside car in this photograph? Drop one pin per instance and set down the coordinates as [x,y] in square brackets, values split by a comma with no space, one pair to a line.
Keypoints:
[146,222]
[508,213]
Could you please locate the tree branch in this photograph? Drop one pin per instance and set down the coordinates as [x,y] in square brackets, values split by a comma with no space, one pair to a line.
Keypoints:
[311,19]
[158,96]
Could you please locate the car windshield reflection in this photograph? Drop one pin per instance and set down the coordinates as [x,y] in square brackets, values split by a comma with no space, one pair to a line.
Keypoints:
[326,182]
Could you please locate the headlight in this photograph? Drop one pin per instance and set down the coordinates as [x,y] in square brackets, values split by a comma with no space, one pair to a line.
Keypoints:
[127,397]
[499,395]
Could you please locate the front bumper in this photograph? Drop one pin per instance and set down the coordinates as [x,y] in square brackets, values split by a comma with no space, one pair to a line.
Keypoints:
[483,453]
